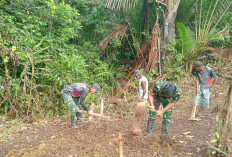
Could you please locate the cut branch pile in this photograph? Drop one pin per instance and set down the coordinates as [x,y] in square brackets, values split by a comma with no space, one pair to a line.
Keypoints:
[154,52]
[150,48]
[141,56]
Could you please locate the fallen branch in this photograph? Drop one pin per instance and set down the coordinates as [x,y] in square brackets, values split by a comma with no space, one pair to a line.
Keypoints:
[97,115]
[218,150]
[102,116]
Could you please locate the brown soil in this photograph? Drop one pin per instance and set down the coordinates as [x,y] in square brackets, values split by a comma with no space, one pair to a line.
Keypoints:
[99,138]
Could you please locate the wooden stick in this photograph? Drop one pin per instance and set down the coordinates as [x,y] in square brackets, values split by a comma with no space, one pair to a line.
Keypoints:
[91,109]
[97,115]
[193,114]
[120,145]
[195,107]
[101,116]
[151,108]
[218,150]
[102,106]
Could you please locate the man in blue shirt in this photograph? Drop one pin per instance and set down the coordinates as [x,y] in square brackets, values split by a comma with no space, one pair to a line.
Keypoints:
[206,79]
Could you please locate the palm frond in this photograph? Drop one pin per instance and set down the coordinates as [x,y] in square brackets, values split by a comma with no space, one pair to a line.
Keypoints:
[211,22]
[159,78]
[154,52]
[144,48]
[118,33]
[213,34]
[138,64]
[187,39]
[125,5]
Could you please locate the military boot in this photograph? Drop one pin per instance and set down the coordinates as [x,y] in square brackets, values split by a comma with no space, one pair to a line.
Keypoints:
[73,121]
[150,124]
[79,117]
[165,126]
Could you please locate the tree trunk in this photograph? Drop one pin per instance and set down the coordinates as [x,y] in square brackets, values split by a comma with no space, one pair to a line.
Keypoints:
[223,129]
[228,121]
[169,16]
[140,117]
[145,19]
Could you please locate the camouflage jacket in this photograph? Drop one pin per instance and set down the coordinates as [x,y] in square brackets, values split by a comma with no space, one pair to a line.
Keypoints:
[80,90]
[158,92]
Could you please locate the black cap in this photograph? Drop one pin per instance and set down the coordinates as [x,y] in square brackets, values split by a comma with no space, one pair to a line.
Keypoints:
[97,87]
[198,64]
[170,90]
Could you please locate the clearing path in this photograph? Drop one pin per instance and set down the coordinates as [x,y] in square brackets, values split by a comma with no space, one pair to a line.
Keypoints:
[99,138]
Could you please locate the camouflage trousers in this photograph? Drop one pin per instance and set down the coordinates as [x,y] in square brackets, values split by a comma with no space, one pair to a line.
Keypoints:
[167,114]
[166,118]
[72,102]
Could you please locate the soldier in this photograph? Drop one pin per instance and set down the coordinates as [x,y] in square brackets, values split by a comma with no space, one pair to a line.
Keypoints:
[168,94]
[74,95]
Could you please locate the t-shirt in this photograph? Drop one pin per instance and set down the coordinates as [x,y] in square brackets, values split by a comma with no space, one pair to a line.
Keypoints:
[143,78]
[78,90]
[206,77]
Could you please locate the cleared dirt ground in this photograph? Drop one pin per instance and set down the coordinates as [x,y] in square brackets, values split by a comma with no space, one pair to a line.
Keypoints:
[99,138]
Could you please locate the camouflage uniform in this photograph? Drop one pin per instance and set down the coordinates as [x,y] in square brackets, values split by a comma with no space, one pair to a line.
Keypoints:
[74,95]
[68,99]
[160,98]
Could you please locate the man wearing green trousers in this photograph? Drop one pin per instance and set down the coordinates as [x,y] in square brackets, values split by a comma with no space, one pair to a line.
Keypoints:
[74,95]
[168,94]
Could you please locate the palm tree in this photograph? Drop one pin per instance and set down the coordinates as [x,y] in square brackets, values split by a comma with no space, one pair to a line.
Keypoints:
[169,13]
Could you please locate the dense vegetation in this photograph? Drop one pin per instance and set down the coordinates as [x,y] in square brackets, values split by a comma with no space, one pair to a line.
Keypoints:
[46,45]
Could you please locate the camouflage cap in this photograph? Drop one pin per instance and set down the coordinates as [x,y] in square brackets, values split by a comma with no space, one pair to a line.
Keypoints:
[170,90]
